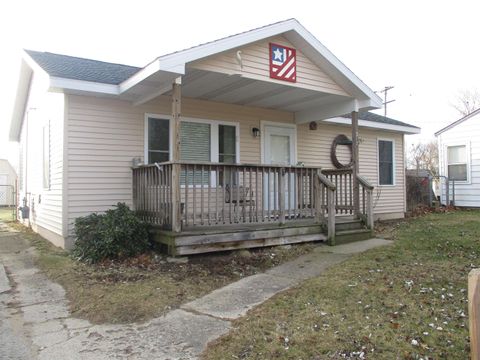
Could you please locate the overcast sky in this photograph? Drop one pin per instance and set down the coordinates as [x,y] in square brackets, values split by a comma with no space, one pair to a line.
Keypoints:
[427,50]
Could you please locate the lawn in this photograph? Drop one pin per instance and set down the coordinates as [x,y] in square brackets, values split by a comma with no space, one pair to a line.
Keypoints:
[405,301]
[148,285]
[6,214]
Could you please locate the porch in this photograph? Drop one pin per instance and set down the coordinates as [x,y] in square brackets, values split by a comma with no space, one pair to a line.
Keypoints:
[203,207]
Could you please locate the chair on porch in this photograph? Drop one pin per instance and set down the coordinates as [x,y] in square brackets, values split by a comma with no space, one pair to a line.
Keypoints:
[241,196]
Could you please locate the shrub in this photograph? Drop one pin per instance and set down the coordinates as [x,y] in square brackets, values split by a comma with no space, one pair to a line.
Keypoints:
[116,234]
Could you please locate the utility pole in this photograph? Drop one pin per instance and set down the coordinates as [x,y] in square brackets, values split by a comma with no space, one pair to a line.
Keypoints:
[385,102]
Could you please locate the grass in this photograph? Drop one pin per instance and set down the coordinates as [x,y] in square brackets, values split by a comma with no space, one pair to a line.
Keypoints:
[147,286]
[6,214]
[406,301]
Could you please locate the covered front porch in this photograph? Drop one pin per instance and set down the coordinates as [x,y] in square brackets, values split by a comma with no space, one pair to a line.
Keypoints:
[205,207]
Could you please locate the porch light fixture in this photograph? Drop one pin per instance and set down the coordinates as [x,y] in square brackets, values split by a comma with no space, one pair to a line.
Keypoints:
[255,132]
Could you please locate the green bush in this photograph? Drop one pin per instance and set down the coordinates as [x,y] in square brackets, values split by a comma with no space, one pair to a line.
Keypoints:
[116,234]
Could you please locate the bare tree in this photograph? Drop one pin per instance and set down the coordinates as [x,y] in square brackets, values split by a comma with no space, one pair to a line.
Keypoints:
[467,101]
[424,156]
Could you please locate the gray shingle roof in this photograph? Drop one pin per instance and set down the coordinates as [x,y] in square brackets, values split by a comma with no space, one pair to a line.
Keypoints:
[369,116]
[71,67]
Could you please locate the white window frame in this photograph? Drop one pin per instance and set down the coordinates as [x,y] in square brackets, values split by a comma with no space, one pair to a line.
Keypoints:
[214,139]
[467,155]
[394,173]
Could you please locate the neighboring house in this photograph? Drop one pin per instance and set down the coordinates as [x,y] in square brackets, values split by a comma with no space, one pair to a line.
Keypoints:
[233,133]
[8,179]
[459,160]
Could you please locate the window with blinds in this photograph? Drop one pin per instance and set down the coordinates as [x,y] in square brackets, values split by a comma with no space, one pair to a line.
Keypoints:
[385,162]
[195,145]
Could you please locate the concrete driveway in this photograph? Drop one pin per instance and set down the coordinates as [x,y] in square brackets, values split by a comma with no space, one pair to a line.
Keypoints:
[35,322]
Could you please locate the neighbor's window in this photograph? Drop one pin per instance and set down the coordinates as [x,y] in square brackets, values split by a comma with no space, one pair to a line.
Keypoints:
[158,140]
[457,162]
[385,162]
[46,156]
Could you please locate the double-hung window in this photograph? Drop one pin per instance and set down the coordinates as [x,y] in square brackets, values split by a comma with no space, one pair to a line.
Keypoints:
[386,171]
[457,162]
[200,141]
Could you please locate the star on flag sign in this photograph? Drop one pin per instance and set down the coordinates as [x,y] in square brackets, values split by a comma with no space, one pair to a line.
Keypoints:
[283,63]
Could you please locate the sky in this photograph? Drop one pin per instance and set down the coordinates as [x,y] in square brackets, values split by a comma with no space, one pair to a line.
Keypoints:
[426,49]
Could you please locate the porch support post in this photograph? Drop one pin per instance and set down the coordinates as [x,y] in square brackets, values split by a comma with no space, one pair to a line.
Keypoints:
[355,165]
[176,167]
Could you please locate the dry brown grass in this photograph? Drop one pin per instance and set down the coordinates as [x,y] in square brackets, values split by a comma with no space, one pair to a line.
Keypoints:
[406,301]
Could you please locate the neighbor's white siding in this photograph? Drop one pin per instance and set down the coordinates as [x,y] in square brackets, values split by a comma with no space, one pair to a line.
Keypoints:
[466,133]
[44,109]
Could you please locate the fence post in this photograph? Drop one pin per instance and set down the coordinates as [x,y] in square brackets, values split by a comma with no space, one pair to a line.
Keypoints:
[473,312]
[447,193]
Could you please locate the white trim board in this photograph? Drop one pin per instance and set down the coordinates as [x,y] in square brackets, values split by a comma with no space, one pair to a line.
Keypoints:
[374,125]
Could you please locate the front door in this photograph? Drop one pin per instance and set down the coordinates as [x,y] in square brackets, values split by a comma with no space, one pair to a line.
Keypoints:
[279,149]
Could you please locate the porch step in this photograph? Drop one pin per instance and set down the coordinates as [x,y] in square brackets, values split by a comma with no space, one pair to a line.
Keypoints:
[348,224]
[232,238]
[347,236]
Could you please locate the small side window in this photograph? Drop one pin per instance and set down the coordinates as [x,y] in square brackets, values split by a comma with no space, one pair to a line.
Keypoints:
[385,162]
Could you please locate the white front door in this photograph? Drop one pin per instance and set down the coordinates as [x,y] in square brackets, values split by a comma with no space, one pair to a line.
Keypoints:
[279,149]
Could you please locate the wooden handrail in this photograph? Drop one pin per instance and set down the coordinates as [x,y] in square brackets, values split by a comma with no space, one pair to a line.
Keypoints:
[364,182]
[206,163]
[325,181]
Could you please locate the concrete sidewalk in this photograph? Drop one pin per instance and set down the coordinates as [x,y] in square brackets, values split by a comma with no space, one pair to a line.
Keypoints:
[36,323]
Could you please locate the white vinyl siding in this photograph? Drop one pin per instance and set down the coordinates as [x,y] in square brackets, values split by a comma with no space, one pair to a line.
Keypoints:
[104,135]
[46,156]
[313,149]
[464,135]
[42,161]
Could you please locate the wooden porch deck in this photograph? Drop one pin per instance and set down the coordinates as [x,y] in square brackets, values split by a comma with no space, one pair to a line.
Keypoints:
[195,240]
[205,207]
[242,236]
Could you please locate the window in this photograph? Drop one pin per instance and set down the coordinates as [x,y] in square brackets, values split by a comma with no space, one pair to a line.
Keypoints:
[158,140]
[46,156]
[457,162]
[200,141]
[385,162]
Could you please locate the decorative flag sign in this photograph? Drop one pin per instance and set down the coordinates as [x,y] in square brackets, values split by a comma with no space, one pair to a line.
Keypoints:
[283,63]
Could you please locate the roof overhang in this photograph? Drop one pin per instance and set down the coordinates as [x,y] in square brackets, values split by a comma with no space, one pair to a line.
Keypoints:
[458,122]
[156,79]
[21,99]
[409,130]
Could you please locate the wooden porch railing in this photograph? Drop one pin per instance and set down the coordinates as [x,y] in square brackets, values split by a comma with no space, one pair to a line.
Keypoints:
[213,194]
[342,179]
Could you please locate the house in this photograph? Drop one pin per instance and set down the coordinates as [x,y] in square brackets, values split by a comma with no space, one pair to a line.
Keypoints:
[8,182]
[224,145]
[459,161]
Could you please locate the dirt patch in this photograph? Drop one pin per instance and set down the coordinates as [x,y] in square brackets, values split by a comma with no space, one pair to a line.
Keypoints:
[152,284]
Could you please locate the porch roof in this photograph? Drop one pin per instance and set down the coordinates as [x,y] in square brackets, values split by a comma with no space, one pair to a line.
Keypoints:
[139,85]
